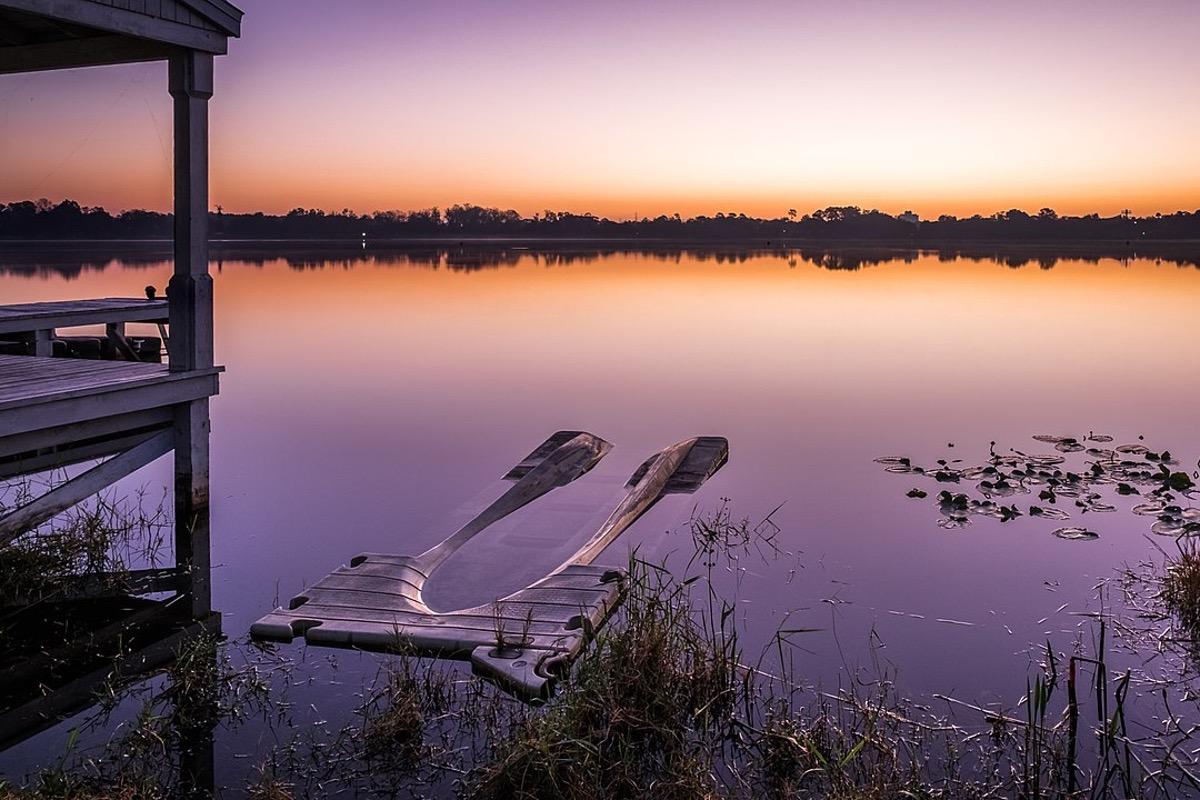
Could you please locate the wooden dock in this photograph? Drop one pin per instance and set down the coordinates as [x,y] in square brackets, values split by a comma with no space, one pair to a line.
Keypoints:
[55,412]
[58,411]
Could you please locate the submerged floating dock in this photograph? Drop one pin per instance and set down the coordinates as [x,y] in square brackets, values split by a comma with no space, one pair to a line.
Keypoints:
[527,639]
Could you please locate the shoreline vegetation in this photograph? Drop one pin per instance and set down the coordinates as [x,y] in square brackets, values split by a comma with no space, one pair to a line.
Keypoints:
[666,703]
[669,701]
[42,219]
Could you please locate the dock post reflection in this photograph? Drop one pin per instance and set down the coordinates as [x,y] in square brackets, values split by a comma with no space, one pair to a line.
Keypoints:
[192,518]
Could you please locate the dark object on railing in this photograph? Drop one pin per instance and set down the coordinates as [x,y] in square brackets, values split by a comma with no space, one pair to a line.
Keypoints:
[145,348]
[36,324]
[148,349]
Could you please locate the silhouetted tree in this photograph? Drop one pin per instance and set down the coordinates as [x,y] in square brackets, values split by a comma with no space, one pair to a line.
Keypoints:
[42,219]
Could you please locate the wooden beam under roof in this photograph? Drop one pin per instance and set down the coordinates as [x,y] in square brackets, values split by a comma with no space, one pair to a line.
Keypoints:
[93,51]
[11,36]
[109,19]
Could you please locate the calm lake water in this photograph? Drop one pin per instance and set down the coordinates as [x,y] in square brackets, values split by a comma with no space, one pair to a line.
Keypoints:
[373,396]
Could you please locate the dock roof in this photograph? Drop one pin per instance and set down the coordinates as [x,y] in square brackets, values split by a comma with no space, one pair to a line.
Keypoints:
[56,34]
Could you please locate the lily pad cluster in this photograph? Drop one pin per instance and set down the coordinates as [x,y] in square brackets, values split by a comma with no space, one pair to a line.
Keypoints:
[1083,475]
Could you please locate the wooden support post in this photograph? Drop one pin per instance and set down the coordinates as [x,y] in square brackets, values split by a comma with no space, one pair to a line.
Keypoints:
[189,297]
[189,293]
[192,552]
[43,343]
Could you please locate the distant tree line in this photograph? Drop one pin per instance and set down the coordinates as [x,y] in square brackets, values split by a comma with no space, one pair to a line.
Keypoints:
[42,219]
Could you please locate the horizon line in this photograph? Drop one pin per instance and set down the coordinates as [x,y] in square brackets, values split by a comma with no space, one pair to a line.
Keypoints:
[790,215]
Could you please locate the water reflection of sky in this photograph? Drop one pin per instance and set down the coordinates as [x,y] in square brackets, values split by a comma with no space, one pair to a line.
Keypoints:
[366,404]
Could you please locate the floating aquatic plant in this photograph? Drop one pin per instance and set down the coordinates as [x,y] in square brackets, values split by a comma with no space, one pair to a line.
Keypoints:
[1076,533]
[1061,488]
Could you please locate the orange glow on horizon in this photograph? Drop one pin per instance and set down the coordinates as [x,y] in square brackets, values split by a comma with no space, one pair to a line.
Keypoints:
[647,109]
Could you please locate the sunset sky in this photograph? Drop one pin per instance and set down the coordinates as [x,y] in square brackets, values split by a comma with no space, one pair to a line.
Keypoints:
[640,108]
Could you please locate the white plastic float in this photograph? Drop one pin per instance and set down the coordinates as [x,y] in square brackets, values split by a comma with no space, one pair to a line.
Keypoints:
[523,641]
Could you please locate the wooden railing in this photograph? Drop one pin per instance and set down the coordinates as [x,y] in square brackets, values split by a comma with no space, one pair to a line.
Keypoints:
[41,321]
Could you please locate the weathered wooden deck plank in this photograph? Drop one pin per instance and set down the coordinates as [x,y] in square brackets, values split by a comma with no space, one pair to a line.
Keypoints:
[16,375]
[39,393]
[40,376]
[23,317]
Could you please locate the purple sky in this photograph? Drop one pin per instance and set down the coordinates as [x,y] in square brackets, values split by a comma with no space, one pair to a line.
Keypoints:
[624,108]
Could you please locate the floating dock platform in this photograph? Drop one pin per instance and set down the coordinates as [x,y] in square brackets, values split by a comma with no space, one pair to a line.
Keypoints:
[528,639]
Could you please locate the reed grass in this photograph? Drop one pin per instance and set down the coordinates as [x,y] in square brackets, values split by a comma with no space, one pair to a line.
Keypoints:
[102,538]
[1180,591]
[631,720]
[665,703]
